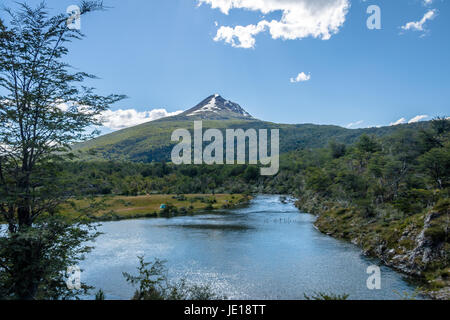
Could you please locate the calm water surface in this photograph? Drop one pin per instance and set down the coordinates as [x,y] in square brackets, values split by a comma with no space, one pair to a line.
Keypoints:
[268,250]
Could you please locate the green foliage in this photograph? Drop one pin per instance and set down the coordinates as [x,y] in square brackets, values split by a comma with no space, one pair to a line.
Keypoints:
[337,149]
[406,295]
[169,209]
[318,180]
[35,135]
[436,163]
[100,295]
[38,257]
[324,296]
[368,144]
[152,284]
[251,173]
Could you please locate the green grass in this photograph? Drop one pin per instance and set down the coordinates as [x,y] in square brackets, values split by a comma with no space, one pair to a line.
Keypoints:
[122,207]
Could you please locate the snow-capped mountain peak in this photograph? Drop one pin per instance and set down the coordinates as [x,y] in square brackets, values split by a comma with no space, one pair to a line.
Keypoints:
[216,107]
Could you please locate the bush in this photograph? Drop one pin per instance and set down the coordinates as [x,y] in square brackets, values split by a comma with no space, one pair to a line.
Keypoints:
[324,296]
[436,233]
[153,284]
[366,207]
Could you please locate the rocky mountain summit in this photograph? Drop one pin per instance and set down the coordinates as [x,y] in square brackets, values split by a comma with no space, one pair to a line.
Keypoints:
[215,107]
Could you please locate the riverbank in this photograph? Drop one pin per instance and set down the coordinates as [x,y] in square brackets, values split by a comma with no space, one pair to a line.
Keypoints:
[113,208]
[416,245]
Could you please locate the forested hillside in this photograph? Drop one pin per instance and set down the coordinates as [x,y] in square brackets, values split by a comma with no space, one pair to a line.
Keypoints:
[152,141]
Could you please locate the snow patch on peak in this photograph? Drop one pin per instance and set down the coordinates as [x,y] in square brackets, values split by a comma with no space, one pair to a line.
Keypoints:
[210,107]
[216,106]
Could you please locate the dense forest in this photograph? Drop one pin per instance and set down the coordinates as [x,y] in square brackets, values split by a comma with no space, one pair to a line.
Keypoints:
[377,170]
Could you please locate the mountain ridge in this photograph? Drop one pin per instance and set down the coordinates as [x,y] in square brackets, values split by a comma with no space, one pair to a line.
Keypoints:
[151,141]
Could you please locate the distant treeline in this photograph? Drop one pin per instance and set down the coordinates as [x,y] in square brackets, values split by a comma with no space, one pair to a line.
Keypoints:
[407,165]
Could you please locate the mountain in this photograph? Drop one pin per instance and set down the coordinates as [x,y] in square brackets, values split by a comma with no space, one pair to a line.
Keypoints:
[215,108]
[151,141]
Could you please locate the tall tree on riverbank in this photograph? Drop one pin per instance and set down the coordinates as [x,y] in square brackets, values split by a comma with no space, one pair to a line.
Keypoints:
[44,108]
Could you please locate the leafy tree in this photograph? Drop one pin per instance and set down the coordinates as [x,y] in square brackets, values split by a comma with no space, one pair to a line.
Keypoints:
[337,149]
[44,108]
[251,173]
[368,144]
[436,162]
[317,180]
[441,125]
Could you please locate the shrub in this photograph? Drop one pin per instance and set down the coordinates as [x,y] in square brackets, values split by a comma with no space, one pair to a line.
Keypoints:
[153,284]
[324,296]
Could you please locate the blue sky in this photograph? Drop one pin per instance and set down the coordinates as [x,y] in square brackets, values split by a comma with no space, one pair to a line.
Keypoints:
[166,54]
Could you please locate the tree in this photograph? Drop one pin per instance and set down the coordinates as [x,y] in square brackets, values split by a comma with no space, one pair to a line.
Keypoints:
[338,150]
[44,109]
[368,144]
[441,125]
[436,163]
[318,180]
[251,173]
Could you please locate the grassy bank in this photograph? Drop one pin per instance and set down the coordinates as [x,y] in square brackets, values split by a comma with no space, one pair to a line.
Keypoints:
[109,208]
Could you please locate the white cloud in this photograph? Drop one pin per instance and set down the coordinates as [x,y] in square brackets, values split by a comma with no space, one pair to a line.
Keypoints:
[418,118]
[427,2]
[244,35]
[399,121]
[121,119]
[355,124]
[419,25]
[301,77]
[300,19]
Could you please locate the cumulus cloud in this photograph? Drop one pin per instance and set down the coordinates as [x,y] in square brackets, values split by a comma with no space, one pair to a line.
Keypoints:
[301,77]
[399,121]
[419,25]
[240,36]
[355,124]
[121,119]
[418,118]
[413,120]
[300,19]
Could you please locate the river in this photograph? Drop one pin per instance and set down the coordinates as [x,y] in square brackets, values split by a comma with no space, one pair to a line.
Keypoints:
[266,250]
